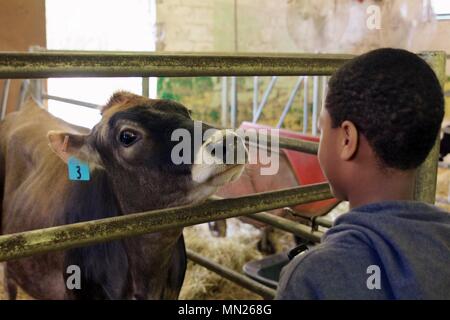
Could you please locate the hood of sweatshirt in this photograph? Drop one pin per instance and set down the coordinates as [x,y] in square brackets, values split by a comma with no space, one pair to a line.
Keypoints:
[411,240]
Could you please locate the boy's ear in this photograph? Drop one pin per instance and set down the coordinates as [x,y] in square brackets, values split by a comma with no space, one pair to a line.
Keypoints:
[66,144]
[349,140]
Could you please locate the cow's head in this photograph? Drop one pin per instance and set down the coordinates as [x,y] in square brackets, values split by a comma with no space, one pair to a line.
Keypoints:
[131,159]
[133,143]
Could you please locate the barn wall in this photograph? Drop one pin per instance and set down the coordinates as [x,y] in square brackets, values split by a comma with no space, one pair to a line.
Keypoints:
[284,26]
[22,24]
[185,25]
[295,26]
[223,26]
[198,25]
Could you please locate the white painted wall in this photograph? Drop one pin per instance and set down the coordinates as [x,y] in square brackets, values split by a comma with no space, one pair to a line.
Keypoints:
[97,25]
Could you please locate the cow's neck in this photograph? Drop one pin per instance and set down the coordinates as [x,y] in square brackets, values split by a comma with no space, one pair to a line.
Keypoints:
[91,200]
[105,196]
[144,192]
[137,194]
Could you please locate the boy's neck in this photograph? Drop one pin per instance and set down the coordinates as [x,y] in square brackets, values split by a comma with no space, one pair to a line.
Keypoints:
[374,187]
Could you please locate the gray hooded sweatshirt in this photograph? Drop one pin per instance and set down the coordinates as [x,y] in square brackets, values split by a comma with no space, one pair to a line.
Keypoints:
[385,250]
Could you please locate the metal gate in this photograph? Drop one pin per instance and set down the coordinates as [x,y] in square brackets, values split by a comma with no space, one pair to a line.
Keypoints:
[37,65]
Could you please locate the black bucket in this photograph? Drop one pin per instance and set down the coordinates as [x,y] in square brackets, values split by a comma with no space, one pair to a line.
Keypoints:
[267,270]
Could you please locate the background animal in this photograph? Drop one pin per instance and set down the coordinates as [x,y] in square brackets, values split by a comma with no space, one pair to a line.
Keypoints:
[129,156]
[444,148]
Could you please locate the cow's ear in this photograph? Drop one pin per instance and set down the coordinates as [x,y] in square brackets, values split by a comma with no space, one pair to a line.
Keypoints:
[66,145]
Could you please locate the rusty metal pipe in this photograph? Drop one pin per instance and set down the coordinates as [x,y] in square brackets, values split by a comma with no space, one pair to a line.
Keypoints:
[291,144]
[293,227]
[426,176]
[139,64]
[27,243]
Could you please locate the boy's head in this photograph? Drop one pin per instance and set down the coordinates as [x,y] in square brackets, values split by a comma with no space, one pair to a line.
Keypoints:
[383,112]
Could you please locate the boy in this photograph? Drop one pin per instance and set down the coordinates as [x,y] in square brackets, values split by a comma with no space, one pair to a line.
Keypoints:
[381,118]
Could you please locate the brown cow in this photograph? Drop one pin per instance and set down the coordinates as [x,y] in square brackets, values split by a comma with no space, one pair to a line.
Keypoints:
[129,156]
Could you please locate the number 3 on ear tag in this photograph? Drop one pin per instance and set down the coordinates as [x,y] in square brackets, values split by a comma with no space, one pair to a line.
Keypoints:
[78,170]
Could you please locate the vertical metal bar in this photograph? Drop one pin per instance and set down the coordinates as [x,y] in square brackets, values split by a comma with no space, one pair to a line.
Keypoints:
[36,86]
[146,87]
[305,105]
[37,90]
[255,95]
[426,176]
[264,99]
[224,112]
[24,90]
[288,105]
[5,94]
[315,104]
[236,33]
[233,114]
[324,90]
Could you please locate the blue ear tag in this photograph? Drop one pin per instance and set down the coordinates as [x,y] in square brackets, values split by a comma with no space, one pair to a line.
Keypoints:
[78,170]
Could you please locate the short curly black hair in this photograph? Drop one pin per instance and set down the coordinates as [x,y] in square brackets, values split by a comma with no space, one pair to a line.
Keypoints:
[394,99]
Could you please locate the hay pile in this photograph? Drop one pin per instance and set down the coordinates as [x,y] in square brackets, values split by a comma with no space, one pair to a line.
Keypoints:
[233,252]
[20,294]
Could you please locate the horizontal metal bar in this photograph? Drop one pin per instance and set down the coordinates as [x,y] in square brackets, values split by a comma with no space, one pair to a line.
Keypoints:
[322,221]
[296,228]
[284,224]
[135,64]
[236,277]
[316,220]
[299,145]
[286,143]
[85,233]
[71,101]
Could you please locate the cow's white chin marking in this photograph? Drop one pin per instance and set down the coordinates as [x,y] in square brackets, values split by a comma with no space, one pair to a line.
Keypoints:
[216,175]
[210,185]
[225,175]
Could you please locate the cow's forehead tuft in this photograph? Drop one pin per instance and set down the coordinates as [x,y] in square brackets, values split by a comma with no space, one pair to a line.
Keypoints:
[133,102]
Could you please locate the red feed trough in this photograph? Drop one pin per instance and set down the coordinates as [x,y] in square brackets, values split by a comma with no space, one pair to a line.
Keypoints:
[305,168]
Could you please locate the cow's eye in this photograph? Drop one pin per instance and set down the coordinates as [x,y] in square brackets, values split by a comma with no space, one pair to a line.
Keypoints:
[128,137]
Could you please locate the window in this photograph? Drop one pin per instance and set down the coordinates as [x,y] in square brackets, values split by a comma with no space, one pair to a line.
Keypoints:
[441,8]
[96,25]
